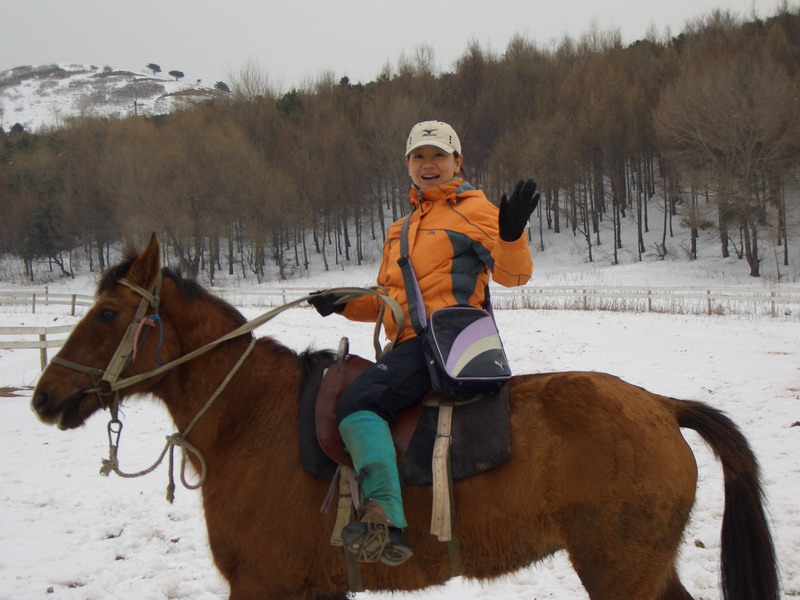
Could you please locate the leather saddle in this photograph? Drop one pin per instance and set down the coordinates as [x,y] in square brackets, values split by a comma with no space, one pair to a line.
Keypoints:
[480,433]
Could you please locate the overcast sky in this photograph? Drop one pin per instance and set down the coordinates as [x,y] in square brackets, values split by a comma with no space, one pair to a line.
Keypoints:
[295,40]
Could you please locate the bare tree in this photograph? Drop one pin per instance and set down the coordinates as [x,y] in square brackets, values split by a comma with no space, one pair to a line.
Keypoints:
[250,82]
[719,123]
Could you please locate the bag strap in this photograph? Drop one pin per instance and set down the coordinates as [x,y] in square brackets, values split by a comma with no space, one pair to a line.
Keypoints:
[416,307]
[487,304]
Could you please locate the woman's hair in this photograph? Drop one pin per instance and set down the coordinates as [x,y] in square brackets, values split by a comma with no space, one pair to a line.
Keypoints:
[462,171]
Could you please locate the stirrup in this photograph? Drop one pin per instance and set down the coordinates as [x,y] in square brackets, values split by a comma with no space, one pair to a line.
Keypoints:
[367,537]
[396,551]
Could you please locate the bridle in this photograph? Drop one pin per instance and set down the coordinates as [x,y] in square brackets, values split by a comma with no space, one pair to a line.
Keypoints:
[108,382]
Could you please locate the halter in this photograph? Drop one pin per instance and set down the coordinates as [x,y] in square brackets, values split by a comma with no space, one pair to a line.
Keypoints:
[110,382]
[128,345]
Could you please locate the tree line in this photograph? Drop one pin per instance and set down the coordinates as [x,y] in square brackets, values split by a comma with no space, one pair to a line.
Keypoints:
[703,127]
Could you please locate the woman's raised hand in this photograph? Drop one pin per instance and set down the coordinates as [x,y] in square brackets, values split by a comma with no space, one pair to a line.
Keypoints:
[516,212]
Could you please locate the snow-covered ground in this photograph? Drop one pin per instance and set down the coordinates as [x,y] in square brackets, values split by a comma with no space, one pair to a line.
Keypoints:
[46,96]
[68,533]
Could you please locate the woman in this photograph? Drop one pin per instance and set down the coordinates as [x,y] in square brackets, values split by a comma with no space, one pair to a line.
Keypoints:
[456,238]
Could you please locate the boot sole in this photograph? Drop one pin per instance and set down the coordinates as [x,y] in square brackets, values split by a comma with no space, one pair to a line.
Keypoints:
[395,554]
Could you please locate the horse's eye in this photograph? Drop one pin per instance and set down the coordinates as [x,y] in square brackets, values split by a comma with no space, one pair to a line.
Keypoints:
[106,315]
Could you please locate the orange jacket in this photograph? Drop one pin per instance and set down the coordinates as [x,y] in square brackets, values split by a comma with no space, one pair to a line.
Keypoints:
[454,245]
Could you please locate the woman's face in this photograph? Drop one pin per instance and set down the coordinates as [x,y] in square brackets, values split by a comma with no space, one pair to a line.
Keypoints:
[430,166]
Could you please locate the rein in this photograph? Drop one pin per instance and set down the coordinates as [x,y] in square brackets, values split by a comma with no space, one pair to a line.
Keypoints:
[110,383]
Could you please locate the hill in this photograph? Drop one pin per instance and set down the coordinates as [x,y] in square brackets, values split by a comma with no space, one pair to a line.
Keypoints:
[47,96]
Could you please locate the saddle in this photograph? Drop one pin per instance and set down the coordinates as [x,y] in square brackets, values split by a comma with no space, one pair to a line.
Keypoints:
[480,430]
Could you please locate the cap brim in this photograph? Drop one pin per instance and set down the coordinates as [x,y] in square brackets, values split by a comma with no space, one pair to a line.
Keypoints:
[441,145]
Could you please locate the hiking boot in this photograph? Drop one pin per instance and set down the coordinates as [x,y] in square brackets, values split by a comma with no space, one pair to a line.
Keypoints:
[367,537]
[396,551]
[371,539]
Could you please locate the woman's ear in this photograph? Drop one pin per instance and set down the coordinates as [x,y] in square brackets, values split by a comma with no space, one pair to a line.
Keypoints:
[459,161]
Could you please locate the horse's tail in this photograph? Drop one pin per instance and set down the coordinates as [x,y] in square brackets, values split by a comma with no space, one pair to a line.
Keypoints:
[749,568]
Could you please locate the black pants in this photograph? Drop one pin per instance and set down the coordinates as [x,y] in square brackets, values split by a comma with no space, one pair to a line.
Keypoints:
[395,382]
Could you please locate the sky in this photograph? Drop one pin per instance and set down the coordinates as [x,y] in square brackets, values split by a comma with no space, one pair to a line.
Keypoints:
[295,42]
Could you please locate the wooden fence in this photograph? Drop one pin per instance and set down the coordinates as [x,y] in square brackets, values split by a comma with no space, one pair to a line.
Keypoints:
[776,302]
[38,298]
[42,343]
[39,337]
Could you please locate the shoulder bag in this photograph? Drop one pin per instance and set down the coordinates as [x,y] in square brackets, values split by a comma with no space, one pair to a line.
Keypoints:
[461,343]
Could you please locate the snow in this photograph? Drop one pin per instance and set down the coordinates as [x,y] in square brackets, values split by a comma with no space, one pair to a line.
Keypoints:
[46,96]
[68,533]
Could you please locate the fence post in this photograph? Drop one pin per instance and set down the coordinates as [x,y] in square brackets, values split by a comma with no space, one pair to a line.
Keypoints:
[33,303]
[772,303]
[708,301]
[72,305]
[43,350]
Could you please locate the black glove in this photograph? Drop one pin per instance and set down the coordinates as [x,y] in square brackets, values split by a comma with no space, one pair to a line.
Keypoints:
[324,303]
[515,213]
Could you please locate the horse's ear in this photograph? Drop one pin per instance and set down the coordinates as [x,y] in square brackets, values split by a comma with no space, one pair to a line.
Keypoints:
[147,265]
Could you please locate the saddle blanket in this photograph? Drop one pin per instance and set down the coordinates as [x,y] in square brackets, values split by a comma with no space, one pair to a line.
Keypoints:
[480,432]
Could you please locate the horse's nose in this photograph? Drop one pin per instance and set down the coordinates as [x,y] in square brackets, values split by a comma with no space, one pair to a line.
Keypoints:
[40,401]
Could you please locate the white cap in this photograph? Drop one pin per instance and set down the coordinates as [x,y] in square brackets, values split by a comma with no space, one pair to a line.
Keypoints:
[433,133]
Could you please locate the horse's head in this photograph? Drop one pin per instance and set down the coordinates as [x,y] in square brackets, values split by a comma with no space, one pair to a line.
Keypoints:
[80,378]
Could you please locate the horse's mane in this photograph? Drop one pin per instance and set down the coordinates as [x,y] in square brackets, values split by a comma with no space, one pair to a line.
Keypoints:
[112,276]
[311,359]
[190,289]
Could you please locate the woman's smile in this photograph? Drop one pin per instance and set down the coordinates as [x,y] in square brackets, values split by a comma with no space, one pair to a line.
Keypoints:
[430,166]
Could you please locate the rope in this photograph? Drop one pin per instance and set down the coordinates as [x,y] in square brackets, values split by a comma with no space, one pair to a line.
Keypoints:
[111,384]
[176,439]
[345,293]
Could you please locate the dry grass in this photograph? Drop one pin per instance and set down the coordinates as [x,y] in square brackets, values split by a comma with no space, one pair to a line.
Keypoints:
[9,392]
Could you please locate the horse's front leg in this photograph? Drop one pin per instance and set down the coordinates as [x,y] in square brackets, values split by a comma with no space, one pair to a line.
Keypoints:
[242,591]
[295,596]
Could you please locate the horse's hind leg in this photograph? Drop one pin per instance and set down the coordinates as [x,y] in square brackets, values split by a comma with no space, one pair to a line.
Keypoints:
[674,589]
[607,581]
[627,553]
[633,579]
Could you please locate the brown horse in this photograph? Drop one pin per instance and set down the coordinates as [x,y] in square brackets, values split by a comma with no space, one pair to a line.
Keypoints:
[598,466]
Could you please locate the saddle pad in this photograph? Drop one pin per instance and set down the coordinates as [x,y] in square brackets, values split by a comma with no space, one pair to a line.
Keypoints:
[485,421]
[313,459]
[480,439]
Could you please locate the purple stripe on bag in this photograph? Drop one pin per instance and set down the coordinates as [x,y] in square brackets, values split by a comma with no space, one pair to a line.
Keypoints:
[473,332]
